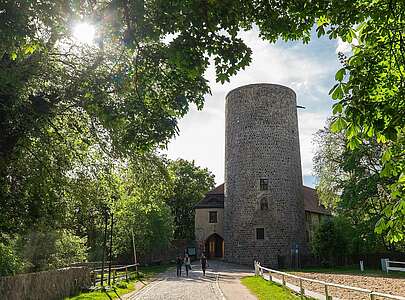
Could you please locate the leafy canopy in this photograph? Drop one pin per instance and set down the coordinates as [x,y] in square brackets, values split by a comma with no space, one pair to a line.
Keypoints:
[147,65]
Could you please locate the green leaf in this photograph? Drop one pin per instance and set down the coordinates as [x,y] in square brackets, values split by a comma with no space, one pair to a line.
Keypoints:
[338,93]
[337,108]
[340,74]
[338,125]
[401,179]
[13,56]
[354,143]
[386,156]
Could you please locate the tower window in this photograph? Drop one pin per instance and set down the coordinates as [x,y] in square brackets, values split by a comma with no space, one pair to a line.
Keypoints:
[259,233]
[264,204]
[264,184]
[213,217]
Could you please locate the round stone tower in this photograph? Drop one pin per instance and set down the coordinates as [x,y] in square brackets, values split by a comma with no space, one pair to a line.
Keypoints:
[264,208]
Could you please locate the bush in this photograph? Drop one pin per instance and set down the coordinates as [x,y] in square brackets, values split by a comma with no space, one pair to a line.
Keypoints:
[10,262]
[51,250]
[332,241]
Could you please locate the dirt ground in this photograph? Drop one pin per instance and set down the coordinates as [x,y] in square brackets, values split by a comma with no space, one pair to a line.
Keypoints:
[389,285]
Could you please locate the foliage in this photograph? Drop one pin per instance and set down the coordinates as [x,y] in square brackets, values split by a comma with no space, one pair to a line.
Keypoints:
[51,249]
[370,93]
[350,184]
[327,164]
[332,240]
[10,261]
[70,112]
[190,184]
[143,189]
[69,249]
[264,289]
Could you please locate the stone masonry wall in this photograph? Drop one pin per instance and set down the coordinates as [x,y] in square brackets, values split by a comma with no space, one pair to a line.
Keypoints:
[261,141]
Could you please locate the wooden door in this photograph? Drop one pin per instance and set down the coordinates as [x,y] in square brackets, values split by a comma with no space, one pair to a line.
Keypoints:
[212,248]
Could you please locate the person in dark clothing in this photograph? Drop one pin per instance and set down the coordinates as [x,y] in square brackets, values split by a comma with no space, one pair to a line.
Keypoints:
[203,263]
[179,263]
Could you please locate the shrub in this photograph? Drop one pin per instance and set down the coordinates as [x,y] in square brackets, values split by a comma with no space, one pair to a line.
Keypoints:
[332,240]
[10,262]
[53,249]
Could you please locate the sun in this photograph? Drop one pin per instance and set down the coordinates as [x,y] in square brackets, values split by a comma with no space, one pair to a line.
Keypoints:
[84,33]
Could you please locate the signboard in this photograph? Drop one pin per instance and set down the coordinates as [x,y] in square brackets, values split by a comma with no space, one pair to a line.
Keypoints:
[191,251]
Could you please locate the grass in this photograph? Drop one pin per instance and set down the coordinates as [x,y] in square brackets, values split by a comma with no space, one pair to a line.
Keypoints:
[122,287]
[265,290]
[114,293]
[350,270]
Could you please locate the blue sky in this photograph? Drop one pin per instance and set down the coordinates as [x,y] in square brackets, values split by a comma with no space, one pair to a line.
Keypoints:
[307,68]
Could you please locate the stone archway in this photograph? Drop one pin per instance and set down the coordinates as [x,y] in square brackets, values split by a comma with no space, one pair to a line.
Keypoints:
[214,246]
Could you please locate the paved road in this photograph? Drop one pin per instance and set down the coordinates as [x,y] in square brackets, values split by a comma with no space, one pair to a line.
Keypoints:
[221,282]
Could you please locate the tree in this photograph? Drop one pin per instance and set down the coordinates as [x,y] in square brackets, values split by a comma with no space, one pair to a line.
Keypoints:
[190,184]
[148,62]
[332,241]
[10,261]
[141,209]
[351,185]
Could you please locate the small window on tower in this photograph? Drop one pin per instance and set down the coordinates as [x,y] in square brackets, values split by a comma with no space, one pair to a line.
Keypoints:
[213,218]
[264,184]
[259,233]
[264,204]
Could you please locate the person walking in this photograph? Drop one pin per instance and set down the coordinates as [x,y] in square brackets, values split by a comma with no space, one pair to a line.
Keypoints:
[187,263]
[179,263]
[203,261]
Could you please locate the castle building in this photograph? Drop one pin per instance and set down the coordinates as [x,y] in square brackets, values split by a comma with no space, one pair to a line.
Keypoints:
[262,211]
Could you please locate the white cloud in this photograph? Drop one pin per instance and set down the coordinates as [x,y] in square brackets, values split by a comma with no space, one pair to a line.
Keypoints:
[305,68]
[308,124]
[345,47]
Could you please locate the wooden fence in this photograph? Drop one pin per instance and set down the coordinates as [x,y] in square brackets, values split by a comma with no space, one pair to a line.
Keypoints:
[259,270]
[116,275]
[391,265]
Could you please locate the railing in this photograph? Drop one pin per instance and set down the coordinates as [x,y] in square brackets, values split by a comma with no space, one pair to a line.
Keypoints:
[388,266]
[372,294]
[116,276]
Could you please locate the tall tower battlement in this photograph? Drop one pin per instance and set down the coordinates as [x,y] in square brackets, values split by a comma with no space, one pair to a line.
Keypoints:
[264,208]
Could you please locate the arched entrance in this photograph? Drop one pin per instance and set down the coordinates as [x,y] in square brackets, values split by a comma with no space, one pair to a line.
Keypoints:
[214,246]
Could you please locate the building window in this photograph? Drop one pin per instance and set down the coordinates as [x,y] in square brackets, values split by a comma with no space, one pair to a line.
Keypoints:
[264,204]
[259,233]
[264,184]
[213,218]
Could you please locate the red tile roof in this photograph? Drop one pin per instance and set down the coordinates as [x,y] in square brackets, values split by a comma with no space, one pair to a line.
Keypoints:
[311,202]
[215,199]
[218,190]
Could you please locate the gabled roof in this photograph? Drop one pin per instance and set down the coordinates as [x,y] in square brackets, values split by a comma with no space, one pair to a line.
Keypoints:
[218,190]
[215,199]
[311,202]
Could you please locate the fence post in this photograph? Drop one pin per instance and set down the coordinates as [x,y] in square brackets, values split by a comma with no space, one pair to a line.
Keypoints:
[270,277]
[126,273]
[114,273]
[283,277]
[301,289]
[372,296]
[326,292]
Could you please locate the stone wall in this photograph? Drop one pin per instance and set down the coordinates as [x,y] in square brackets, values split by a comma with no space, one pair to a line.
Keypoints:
[261,141]
[50,285]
